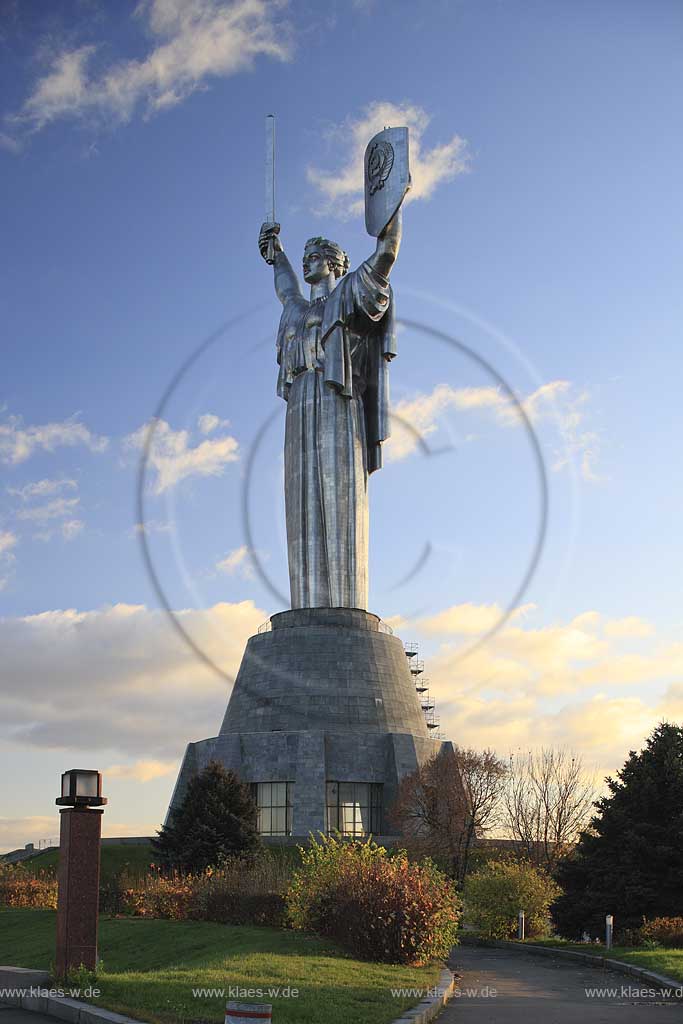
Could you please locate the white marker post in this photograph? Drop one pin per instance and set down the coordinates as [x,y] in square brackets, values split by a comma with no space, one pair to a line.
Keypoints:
[609,931]
[520,925]
[247,1013]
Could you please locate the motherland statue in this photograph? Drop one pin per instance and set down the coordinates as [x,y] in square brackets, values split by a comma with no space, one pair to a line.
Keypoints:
[326,716]
[333,350]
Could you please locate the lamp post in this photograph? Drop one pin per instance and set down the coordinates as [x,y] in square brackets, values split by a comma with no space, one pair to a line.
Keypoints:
[78,874]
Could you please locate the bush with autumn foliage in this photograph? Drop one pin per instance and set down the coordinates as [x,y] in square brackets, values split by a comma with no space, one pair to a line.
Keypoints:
[377,906]
[665,931]
[20,888]
[237,892]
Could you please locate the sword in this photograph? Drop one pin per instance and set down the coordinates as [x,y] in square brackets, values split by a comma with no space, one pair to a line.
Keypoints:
[270,181]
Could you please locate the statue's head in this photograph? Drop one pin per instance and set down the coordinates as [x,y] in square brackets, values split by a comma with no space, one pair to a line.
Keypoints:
[322,258]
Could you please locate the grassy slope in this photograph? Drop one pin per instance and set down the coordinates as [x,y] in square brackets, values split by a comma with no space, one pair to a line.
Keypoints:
[135,860]
[150,968]
[114,859]
[662,961]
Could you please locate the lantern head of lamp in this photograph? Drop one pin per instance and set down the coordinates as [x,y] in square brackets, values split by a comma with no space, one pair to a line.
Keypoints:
[81,788]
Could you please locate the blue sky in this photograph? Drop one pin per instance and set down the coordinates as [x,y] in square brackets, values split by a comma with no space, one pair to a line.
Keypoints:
[543,233]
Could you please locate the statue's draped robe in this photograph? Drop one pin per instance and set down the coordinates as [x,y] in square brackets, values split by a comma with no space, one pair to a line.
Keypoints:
[333,357]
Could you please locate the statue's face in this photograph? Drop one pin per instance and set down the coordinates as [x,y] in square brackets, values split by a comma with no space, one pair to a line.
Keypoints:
[316,267]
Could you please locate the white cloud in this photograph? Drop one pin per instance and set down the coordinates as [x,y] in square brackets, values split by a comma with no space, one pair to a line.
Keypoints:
[210,422]
[71,528]
[566,684]
[469,619]
[632,626]
[58,508]
[237,561]
[464,619]
[191,42]
[342,188]
[151,526]
[19,442]
[148,694]
[42,489]
[555,401]
[8,540]
[172,458]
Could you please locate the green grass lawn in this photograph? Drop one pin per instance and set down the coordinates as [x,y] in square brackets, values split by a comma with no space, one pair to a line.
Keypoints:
[113,860]
[662,961]
[150,968]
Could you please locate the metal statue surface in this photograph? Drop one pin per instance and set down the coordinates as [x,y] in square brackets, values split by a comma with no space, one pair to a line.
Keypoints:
[333,350]
[387,177]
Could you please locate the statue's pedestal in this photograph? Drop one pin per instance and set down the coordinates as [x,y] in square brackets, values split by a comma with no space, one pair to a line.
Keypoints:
[324,696]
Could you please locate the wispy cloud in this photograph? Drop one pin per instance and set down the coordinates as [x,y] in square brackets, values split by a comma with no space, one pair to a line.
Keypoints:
[342,188]
[190,42]
[172,457]
[18,442]
[151,526]
[8,541]
[71,528]
[58,508]
[42,488]
[141,771]
[209,422]
[557,401]
[237,562]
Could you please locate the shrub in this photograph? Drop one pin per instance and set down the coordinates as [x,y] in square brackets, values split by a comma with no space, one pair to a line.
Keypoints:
[238,892]
[19,888]
[376,906]
[243,893]
[494,895]
[665,931]
[630,937]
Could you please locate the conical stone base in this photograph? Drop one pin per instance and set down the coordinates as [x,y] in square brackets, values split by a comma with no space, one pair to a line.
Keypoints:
[325,695]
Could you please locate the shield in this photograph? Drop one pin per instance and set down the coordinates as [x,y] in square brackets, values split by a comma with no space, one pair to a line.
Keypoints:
[387,177]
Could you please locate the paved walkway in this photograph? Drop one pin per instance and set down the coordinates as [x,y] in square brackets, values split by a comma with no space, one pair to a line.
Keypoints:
[545,990]
[14,1015]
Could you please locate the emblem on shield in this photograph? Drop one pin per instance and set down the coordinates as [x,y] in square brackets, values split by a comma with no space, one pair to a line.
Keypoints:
[387,177]
[380,162]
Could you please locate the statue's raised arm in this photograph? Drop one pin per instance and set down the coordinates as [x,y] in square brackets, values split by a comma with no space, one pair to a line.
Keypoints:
[270,246]
[388,244]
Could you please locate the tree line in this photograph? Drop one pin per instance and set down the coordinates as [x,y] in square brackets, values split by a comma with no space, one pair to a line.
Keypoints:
[539,802]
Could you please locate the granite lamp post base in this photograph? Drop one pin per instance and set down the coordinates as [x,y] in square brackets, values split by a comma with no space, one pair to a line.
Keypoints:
[324,720]
[78,876]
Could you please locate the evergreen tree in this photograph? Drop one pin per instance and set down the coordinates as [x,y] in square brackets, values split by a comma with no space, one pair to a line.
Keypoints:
[217,819]
[629,862]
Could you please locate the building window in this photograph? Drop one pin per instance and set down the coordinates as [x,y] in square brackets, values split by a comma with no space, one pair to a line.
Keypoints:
[274,802]
[354,808]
